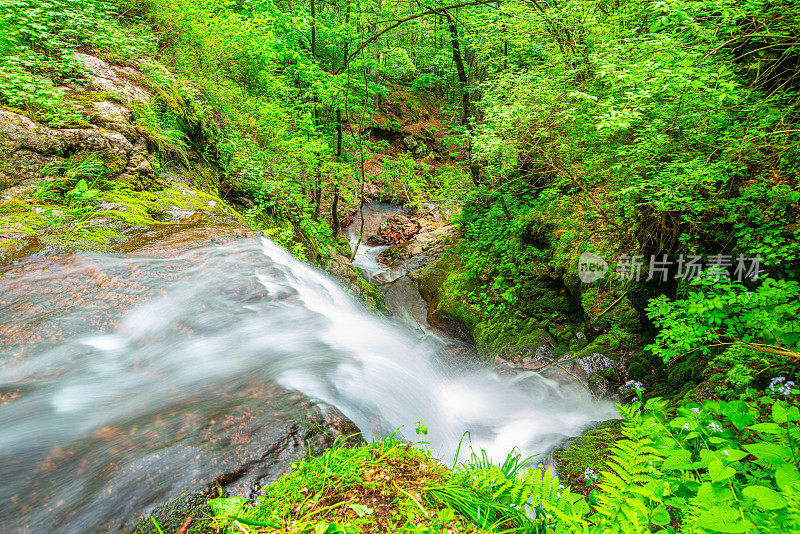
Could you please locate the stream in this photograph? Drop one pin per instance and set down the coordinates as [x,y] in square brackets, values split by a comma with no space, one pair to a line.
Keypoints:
[126,380]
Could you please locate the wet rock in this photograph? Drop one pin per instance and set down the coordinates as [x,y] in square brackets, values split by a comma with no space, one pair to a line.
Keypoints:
[247,467]
[340,268]
[436,239]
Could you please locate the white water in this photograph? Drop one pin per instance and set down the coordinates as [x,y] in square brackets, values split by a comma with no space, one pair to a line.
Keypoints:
[223,316]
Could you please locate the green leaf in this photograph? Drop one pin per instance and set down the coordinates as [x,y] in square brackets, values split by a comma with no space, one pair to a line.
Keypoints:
[720,472]
[226,505]
[767,428]
[680,459]
[660,516]
[782,414]
[723,519]
[335,528]
[765,497]
[787,476]
[361,510]
[733,455]
[769,452]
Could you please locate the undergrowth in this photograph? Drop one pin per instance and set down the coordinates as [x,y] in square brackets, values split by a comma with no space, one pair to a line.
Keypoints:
[36,52]
[705,467]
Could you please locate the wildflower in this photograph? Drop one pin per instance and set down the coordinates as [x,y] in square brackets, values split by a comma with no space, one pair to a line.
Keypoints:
[696,411]
[726,453]
[686,426]
[781,385]
[776,382]
[714,427]
[589,475]
[635,385]
[558,496]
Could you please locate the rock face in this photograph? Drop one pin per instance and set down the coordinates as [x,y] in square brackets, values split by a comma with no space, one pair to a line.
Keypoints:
[115,79]
[27,148]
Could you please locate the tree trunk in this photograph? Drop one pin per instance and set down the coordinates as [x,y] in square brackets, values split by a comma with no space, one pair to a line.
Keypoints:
[465,101]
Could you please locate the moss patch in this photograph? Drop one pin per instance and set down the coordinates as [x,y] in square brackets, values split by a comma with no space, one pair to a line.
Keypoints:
[589,451]
[172,516]
[98,226]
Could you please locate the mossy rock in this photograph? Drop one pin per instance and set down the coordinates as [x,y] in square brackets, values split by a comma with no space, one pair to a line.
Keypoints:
[100,226]
[342,246]
[587,451]
[172,515]
[431,277]
[371,294]
[544,297]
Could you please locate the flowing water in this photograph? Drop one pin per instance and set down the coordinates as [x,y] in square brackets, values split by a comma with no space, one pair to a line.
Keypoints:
[104,392]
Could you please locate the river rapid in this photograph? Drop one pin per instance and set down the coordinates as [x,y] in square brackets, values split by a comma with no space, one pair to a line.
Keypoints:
[120,374]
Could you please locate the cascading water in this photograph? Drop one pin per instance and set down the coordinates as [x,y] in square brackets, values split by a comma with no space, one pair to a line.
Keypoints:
[93,403]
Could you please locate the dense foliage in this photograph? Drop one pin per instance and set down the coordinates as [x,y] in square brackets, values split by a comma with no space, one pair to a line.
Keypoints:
[704,468]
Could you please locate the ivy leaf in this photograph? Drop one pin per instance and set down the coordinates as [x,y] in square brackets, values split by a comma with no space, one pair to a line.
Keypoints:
[766,498]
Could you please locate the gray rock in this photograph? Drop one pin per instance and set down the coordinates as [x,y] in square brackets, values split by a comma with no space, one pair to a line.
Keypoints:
[109,112]
[27,147]
[411,143]
[115,80]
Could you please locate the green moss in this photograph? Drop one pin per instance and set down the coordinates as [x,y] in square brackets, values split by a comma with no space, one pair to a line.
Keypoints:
[588,451]
[204,176]
[80,228]
[17,216]
[172,515]
[371,294]
[342,246]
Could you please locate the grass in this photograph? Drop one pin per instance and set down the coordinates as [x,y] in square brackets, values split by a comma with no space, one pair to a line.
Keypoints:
[385,486]
[391,486]
[380,487]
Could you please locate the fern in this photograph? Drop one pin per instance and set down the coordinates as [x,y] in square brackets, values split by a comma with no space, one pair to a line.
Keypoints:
[526,499]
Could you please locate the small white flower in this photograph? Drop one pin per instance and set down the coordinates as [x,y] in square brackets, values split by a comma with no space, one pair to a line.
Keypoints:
[726,453]
[686,426]
[714,427]
[696,411]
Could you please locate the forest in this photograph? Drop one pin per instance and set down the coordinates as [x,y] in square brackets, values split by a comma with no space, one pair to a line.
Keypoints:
[618,179]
